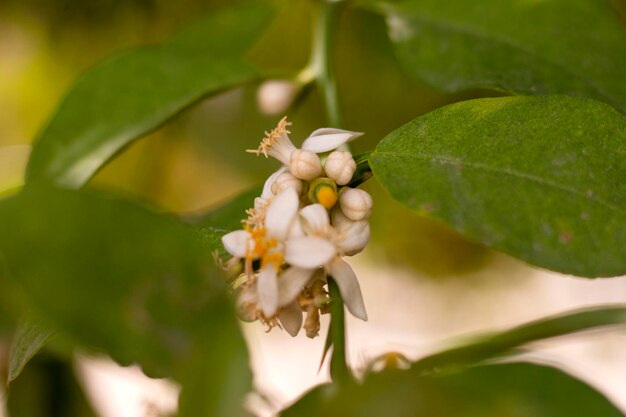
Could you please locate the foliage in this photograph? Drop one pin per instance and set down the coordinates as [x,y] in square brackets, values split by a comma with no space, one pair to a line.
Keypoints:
[537,175]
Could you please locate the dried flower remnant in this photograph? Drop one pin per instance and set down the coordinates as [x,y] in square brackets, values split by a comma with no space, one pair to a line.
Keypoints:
[297,234]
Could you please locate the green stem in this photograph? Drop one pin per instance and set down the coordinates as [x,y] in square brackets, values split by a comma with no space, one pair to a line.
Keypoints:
[338,364]
[322,60]
[322,66]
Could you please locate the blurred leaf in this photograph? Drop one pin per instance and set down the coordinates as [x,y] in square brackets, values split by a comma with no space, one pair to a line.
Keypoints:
[48,388]
[575,47]
[501,343]
[12,166]
[141,286]
[540,178]
[226,215]
[136,91]
[518,389]
[30,336]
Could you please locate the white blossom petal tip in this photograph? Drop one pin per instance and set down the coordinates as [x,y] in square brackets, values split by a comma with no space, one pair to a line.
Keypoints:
[349,287]
[328,139]
[238,243]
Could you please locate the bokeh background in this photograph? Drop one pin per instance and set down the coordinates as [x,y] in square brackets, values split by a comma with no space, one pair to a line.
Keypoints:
[423,284]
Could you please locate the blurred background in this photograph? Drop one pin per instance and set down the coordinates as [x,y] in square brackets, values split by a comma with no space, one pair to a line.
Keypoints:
[422,283]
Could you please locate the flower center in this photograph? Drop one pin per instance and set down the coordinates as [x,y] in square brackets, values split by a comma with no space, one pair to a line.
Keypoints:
[264,248]
[323,191]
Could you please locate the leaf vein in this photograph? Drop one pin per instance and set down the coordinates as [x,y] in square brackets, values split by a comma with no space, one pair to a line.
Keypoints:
[510,172]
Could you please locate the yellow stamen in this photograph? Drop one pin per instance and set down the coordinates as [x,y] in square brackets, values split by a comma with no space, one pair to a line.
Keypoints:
[271,137]
[275,258]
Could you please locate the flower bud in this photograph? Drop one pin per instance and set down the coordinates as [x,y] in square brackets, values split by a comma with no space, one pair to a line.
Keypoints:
[355,204]
[315,218]
[260,203]
[340,166]
[338,219]
[275,96]
[305,165]
[284,181]
[356,236]
[323,191]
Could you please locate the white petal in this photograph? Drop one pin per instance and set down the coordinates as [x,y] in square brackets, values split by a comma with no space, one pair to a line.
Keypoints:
[281,212]
[309,252]
[348,286]
[267,288]
[327,139]
[291,282]
[315,217]
[267,187]
[291,319]
[237,243]
[356,235]
[296,229]
[282,149]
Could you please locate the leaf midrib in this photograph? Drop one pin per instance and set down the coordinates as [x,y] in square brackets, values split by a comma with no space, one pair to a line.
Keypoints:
[450,161]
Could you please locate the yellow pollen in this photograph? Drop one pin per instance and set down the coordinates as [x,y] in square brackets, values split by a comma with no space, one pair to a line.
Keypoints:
[271,137]
[326,196]
[273,258]
[261,243]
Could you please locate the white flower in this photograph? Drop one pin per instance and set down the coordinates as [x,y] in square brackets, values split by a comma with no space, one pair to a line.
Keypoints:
[273,244]
[355,204]
[340,166]
[276,143]
[305,261]
[305,165]
[288,245]
[286,180]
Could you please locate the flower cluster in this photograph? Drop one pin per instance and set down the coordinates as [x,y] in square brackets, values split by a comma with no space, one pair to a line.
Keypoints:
[301,226]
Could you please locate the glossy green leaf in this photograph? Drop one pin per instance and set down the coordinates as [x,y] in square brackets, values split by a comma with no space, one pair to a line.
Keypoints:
[575,47]
[138,285]
[540,178]
[518,389]
[135,92]
[501,343]
[30,336]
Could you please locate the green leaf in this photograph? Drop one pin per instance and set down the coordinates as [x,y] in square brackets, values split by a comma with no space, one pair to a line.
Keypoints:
[48,388]
[502,343]
[517,389]
[30,336]
[540,178]
[135,92]
[118,277]
[226,215]
[575,47]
